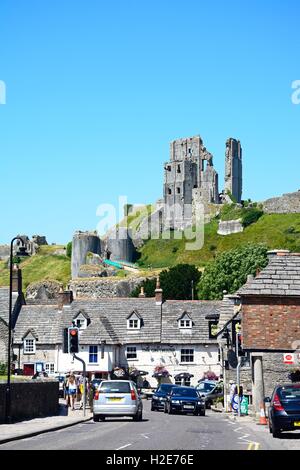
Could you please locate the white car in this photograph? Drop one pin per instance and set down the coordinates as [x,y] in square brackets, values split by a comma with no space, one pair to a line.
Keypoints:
[117,398]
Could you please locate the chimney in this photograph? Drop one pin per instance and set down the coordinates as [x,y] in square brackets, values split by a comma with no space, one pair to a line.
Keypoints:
[142,293]
[158,292]
[272,253]
[17,279]
[64,298]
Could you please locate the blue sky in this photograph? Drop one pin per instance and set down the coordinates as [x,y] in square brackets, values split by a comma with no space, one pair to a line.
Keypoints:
[96,90]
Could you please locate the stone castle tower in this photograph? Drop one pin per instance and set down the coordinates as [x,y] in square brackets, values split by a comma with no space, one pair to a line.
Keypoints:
[233,169]
[189,171]
[190,178]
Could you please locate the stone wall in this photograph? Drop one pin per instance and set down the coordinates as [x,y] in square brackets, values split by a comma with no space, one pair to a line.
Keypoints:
[30,399]
[227,227]
[286,204]
[102,288]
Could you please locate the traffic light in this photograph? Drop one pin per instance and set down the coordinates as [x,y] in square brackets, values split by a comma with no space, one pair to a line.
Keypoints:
[73,335]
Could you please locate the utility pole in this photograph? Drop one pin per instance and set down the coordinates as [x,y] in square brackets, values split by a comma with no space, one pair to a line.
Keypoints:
[192,290]
[238,370]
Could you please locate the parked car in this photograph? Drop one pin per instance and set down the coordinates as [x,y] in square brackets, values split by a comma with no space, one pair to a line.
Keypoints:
[210,390]
[117,398]
[159,396]
[284,410]
[95,383]
[185,400]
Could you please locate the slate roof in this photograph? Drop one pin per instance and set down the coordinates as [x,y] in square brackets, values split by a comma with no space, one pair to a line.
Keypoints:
[228,311]
[4,302]
[108,321]
[197,310]
[280,278]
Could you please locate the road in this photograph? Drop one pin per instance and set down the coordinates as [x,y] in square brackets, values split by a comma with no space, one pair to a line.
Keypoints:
[159,431]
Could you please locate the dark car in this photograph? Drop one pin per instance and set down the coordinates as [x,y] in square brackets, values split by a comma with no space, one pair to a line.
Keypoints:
[284,411]
[185,400]
[159,396]
[210,390]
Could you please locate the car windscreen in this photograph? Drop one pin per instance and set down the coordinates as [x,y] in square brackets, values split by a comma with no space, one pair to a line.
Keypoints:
[114,387]
[165,387]
[205,387]
[185,392]
[289,393]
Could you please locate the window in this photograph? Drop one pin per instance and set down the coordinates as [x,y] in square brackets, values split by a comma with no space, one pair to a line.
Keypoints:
[29,346]
[49,368]
[131,352]
[178,169]
[187,382]
[178,190]
[169,168]
[169,191]
[93,354]
[187,355]
[133,324]
[185,324]
[213,328]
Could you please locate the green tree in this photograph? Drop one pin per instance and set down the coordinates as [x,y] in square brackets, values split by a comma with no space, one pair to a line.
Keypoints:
[69,250]
[175,282]
[230,269]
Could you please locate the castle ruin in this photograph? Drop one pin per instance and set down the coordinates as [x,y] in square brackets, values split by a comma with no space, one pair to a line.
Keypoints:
[190,179]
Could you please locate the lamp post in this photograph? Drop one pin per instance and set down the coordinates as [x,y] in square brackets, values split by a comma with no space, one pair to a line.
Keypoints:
[22,252]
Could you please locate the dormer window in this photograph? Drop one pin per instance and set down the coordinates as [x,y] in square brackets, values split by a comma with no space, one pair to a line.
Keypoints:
[81,320]
[29,342]
[185,324]
[134,321]
[185,321]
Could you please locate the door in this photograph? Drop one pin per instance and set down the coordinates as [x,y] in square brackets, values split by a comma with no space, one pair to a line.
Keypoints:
[28,369]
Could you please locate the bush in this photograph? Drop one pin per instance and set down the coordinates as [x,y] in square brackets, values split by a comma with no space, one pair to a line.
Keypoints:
[3,368]
[69,250]
[251,216]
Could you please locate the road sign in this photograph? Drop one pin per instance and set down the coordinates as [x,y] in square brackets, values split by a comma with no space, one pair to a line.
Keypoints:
[289,358]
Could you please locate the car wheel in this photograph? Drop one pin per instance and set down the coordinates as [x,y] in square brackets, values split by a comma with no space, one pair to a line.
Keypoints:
[165,409]
[202,412]
[137,416]
[96,418]
[102,418]
[276,432]
[153,408]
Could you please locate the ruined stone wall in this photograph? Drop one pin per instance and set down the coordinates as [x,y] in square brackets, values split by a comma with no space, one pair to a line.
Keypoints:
[228,227]
[83,242]
[3,341]
[233,168]
[102,288]
[286,204]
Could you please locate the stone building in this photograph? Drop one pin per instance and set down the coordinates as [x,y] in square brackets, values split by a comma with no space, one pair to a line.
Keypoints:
[233,169]
[190,179]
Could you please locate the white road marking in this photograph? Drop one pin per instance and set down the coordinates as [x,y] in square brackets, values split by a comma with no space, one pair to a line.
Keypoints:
[123,447]
[237,429]
[144,435]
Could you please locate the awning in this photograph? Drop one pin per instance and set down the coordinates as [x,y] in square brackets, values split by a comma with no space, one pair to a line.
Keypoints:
[183,375]
[138,373]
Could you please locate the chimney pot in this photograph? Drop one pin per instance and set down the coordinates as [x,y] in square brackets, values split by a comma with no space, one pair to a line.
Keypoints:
[142,293]
[158,292]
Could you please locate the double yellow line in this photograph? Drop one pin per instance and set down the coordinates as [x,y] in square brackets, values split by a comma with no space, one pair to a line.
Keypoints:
[254,446]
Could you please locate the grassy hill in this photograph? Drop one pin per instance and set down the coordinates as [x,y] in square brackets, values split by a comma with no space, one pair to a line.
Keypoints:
[275,230]
[44,265]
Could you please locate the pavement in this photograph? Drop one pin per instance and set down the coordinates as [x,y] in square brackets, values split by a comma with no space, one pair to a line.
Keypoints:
[33,427]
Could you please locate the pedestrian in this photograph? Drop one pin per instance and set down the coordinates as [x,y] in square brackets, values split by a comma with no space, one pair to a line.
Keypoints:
[232,392]
[72,389]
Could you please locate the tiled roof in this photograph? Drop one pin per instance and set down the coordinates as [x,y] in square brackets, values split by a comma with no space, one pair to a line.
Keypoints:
[280,278]
[108,321]
[4,302]
[228,311]
[197,310]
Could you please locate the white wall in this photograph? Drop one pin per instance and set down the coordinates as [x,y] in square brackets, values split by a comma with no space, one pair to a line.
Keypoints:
[205,358]
[65,362]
